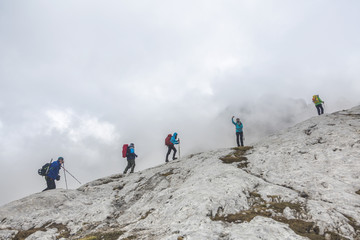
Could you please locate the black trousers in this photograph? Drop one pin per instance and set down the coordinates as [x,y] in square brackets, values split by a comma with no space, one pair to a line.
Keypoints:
[239,136]
[320,109]
[131,164]
[170,147]
[50,183]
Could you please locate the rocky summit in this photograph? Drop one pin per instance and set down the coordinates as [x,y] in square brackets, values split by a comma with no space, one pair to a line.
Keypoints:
[301,183]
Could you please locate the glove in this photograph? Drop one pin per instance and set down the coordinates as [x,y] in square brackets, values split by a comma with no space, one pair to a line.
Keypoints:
[58,178]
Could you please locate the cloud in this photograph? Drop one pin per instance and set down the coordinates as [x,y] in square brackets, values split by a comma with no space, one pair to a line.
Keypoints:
[59,120]
[77,128]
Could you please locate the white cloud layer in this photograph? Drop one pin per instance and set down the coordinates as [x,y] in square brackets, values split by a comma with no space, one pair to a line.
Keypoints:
[77,128]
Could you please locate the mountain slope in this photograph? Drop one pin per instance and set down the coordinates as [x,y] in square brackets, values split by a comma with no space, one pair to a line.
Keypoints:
[300,183]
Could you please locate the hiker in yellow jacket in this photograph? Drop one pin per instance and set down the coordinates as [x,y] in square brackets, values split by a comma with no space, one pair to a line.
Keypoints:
[318,104]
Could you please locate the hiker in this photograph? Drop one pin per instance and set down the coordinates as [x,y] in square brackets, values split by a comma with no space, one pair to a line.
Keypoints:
[318,104]
[170,141]
[53,174]
[130,156]
[239,131]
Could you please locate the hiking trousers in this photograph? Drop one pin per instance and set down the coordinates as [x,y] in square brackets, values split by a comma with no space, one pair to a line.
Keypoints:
[50,183]
[131,164]
[170,147]
[320,109]
[239,138]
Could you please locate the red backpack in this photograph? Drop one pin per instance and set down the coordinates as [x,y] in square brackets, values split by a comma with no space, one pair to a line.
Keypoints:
[167,140]
[124,151]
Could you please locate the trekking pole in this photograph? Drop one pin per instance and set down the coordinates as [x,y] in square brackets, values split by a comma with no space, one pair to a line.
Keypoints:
[65,176]
[72,175]
[47,170]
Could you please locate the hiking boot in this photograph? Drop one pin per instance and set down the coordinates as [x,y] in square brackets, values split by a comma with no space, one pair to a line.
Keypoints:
[166,160]
[174,158]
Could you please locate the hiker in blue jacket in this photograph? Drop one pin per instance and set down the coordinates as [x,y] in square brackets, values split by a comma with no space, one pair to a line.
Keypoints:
[239,131]
[53,174]
[130,156]
[171,146]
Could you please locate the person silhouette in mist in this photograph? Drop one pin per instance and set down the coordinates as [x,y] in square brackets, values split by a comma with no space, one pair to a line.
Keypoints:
[239,131]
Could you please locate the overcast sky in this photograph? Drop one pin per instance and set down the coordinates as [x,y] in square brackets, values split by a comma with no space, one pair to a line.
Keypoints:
[80,78]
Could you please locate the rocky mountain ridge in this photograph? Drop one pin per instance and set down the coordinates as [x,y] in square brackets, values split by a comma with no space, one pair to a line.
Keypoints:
[301,183]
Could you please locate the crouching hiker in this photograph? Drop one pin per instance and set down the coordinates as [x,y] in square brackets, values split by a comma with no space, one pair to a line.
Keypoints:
[53,173]
[239,131]
[170,141]
[130,156]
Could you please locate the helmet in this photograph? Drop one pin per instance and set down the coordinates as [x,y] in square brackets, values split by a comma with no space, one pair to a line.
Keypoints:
[61,158]
[131,144]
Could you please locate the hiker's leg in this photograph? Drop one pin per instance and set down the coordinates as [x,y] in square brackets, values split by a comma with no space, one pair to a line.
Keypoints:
[127,167]
[173,147]
[237,139]
[318,109]
[132,165]
[168,153]
[47,184]
[53,183]
[50,183]
[241,138]
[321,108]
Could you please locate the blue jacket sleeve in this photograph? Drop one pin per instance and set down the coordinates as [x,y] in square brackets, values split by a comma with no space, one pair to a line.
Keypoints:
[233,121]
[173,140]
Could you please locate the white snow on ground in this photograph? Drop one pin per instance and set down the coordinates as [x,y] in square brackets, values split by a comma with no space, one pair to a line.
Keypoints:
[315,164]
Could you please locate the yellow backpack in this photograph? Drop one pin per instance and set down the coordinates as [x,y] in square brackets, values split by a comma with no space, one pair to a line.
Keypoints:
[316,99]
